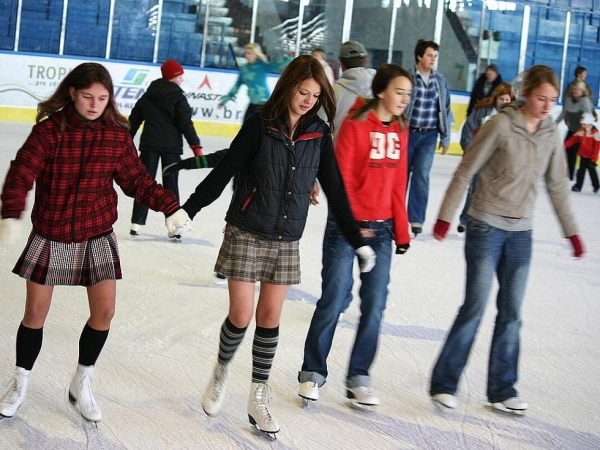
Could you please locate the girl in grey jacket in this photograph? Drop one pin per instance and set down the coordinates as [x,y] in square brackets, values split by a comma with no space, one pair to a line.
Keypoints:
[515,148]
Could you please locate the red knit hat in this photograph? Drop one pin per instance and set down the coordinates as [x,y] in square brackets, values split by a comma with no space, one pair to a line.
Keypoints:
[171,69]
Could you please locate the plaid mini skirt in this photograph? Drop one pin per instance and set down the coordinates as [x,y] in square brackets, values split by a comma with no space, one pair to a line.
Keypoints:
[247,257]
[72,264]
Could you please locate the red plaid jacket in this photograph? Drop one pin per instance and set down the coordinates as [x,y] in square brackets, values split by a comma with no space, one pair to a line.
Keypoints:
[73,171]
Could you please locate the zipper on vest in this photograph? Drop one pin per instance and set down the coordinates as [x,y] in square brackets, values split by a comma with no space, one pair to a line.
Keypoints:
[248,199]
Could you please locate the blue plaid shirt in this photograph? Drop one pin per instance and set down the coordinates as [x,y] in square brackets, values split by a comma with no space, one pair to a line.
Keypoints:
[425,109]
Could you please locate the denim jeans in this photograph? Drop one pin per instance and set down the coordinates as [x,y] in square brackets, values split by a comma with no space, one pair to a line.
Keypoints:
[421,149]
[488,250]
[337,280]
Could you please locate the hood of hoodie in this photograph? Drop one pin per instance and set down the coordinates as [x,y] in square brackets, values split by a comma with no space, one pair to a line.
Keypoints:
[512,110]
[358,80]
[161,88]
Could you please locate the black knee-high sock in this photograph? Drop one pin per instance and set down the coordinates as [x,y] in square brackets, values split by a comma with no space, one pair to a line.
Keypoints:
[91,343]
[29,344]
[229,340]
[263,352]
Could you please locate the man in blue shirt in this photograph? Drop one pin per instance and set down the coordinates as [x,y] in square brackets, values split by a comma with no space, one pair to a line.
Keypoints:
[429,113]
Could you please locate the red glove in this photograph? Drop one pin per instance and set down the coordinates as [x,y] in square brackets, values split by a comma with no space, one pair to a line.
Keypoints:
[440,229]
[197,149]
[578,250]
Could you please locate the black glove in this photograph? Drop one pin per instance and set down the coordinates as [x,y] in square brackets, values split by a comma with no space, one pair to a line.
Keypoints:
[402,248]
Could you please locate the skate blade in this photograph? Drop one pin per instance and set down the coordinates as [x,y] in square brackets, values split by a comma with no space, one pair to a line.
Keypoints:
[499,407]
[272,435]
[307,402]
[362,407]
[73,402]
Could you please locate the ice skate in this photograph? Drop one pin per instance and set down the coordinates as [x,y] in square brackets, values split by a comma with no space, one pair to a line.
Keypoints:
[447,401]
[258,413]
[80,393]
[362,398]
[513,405]
[174,237]
[134,231]
[416,229]
[215,391]
[15,394]
[309,391]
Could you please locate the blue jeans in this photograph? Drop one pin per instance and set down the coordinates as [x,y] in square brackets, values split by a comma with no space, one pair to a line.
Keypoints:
[488,250]
[421,149]
[337,280]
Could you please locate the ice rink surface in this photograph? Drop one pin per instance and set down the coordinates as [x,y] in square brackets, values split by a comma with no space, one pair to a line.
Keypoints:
[163,343]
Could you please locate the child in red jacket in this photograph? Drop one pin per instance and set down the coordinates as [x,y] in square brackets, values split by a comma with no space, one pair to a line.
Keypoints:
[589,139]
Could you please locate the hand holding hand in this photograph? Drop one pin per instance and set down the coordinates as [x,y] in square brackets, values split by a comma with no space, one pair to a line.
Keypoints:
[578,250]
[440,229]
[178,222]
[197,149]
[366,258]
[402,249]
[9,230]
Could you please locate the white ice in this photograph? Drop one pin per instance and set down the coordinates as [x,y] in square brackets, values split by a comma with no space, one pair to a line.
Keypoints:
[164,337]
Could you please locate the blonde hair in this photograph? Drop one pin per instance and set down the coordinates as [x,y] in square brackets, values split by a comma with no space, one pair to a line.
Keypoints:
[257,50]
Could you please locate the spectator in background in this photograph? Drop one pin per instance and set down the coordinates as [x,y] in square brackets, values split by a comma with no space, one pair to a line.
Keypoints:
[254,76]
[589,139]
[484,110]
[484,86]
[581,75]
[166,115]
[320,54]
[430,116]
[576,104]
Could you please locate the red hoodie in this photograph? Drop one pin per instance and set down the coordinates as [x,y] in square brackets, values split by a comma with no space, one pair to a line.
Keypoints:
[589,143]
[372,158]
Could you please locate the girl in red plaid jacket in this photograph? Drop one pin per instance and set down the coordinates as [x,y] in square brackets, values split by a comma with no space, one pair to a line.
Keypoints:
[79,146]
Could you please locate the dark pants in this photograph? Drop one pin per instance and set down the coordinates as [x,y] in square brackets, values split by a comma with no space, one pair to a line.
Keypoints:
[571,155]
[150,161]
[587,164]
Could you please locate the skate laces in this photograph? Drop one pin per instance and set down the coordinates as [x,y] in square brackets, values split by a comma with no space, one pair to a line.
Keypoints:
[85,386]
[14,390]
[261,397]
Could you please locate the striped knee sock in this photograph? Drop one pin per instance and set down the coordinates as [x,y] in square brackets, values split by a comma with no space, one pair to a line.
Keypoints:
[229,340]
[263,353]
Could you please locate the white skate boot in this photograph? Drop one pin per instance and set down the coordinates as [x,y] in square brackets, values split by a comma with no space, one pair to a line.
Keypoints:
[309,391]
[80,392]
[513,405]
[215,391]
[16,392]
[362,398]
[446,400]
[258,413]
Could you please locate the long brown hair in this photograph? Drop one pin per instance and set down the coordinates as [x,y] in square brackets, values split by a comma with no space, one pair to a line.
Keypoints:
[82,77]
[536,76]
[302,68]
[502,89]
[382,79]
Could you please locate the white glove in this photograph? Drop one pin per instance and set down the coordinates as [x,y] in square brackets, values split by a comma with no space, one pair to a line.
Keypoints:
[178,223]
[9,231]
[366,258]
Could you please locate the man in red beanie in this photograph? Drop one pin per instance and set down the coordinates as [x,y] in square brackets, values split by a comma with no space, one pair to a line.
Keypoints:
[167,116]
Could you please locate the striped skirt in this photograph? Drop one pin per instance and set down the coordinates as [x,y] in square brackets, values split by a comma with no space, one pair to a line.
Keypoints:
[246,257]
[71,264]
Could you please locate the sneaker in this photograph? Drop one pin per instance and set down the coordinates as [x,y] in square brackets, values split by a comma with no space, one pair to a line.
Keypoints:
[14,396]
[309,390]
[215,391]
[576,188]
[416,228]
[220,280]
[515,404]
[460,228]
[363,395]
[447,400]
